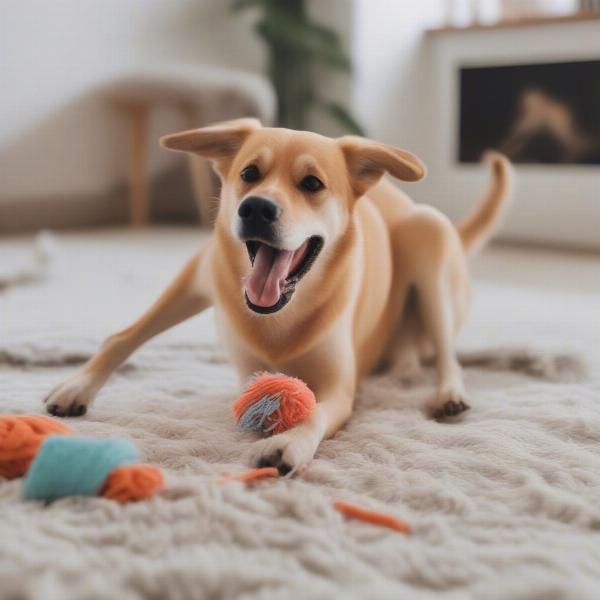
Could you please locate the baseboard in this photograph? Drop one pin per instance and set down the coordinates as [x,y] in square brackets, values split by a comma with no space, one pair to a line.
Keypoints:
[171,201]
[21,215]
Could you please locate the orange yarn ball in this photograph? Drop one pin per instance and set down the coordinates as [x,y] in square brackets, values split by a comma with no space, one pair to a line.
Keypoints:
[20,439]
[131,483]
[273,403]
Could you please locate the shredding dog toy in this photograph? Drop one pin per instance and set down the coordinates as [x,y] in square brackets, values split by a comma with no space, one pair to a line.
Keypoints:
[273,403]
[57,464]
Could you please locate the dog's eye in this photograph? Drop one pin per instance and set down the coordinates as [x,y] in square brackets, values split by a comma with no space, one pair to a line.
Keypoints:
[311,184]
[250,174]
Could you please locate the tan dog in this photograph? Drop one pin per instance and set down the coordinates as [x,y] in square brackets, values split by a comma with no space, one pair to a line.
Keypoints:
[311,277]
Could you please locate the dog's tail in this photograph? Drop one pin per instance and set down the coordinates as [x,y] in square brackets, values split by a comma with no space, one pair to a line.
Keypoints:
[477,228]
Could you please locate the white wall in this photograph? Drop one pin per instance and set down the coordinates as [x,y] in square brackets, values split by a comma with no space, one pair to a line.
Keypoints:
[557,205]
[388,57]
[56,136]
[406,94]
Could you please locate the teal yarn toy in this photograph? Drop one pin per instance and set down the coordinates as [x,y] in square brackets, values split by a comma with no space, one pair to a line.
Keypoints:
[74,466]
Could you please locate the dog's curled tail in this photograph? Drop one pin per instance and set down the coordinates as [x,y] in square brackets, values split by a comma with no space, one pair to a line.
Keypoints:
[477,228]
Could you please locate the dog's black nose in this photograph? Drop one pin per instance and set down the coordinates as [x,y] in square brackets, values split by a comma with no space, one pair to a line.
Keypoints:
[258,211]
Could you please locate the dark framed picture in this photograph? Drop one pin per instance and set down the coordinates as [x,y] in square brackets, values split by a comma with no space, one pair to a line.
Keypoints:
[547,113]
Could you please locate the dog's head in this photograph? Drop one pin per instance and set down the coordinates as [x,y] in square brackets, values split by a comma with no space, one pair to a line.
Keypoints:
[288,196]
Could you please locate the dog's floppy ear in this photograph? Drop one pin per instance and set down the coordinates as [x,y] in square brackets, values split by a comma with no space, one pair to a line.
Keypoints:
[219,142]
[367,161]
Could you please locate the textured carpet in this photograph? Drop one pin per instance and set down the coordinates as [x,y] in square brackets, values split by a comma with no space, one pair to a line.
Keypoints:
[504,504]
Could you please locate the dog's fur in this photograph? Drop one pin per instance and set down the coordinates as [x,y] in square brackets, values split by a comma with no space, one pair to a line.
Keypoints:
[390,285]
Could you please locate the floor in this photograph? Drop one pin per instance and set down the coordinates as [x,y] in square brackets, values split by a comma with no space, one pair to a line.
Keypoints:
[503,504]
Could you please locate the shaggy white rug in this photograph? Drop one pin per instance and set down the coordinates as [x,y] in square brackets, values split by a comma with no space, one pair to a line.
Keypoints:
[504,504]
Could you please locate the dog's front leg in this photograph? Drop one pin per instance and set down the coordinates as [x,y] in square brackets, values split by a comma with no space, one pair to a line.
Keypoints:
[329,370]
[188,295]
[295,448]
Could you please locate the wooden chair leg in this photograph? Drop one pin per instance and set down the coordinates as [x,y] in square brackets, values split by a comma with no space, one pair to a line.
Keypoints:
[203,179]
[138,183]
[206,193]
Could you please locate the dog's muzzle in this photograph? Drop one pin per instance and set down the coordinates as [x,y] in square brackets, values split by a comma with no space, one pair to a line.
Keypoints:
[258,219]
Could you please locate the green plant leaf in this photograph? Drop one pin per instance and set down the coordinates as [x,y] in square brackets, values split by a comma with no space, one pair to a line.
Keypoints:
[342,116]
[297,45]
[238,5]
[327,35]
[303,38]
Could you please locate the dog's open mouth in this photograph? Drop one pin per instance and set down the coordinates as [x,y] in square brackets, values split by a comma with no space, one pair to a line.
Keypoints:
[275,273]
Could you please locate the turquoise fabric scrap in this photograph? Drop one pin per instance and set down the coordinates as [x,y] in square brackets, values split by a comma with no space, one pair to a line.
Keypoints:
[74,466]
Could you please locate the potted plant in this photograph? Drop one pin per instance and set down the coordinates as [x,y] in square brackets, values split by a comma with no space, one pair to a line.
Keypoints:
[297,45]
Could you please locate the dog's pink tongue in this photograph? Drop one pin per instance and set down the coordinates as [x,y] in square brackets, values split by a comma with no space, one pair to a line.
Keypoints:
[269,271]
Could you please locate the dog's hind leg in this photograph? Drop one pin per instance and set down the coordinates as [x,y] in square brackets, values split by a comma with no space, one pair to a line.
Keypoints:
[403,354]
[437,310]
[429,256]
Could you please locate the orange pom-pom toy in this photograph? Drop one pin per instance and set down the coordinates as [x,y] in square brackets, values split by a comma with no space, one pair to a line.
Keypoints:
[273,403]
[131,483]
[20,439]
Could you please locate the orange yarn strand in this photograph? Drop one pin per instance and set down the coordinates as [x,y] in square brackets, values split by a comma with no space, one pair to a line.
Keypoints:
[252,475]
[353,511]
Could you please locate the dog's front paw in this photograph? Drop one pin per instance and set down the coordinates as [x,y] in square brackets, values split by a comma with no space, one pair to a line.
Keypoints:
[288,451]
[451,402]
[71,398]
